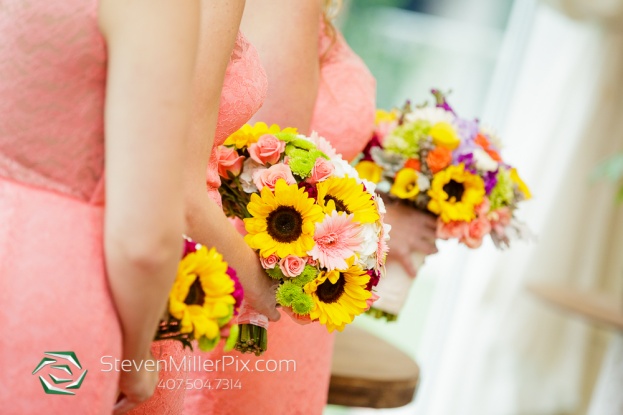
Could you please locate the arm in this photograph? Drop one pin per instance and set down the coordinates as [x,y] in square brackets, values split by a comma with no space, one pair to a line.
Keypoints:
[207,224]
[151,47]
[285,33]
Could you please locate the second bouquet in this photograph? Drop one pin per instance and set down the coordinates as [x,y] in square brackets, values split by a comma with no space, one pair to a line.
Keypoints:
[316,225]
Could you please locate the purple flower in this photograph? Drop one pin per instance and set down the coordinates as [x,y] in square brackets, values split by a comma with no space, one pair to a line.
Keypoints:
[491,179]
[373,143]
[374,279]
[190,246]
[468,161]
[441,100]
[467,129]
[238,293]
[311,190]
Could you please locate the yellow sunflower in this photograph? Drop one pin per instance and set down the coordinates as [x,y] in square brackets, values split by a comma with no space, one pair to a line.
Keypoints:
[249,134]
[339,296]
[455,193]
[344,194]
[369,170]
[202,293]
[405,184]
[283,222]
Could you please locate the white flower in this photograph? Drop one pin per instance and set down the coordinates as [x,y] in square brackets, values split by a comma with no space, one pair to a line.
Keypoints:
[370,239]
[249,167]
[430,114]
[323,145]
[383,186]
[380,204]
[423,182]
[342,168]
[484,162]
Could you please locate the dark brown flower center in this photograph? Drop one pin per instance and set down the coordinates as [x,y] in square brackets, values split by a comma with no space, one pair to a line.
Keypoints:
[454,190]
[285,224]
[339,204]
[195,296]
[328,292]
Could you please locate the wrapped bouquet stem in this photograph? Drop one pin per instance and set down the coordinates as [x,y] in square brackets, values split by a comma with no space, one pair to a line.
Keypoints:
[393,290]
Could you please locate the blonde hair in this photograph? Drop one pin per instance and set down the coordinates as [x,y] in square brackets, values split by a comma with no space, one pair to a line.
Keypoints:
[331,9]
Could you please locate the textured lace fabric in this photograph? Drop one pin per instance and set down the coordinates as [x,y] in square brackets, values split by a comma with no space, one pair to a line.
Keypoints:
[346,103]
[52,80]
[244,91]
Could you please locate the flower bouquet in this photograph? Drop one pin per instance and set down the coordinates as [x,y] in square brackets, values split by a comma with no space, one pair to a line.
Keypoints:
[205,297]
[316,226]
[450,167]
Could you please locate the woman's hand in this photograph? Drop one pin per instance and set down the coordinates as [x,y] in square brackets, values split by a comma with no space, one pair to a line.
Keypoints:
[412,231]
[136,386]
[259,292]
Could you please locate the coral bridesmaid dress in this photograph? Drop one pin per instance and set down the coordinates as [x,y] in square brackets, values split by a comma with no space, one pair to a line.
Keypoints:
[244,90]
[54,294]
[344,114]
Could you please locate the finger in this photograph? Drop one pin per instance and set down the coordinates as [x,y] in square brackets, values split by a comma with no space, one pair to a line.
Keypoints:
[424,246]
[274,315]
[123,406]
[405,261]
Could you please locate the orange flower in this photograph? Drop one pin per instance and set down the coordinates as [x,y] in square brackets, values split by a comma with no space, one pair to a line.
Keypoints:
[483,142]
[413,164]
[438,159]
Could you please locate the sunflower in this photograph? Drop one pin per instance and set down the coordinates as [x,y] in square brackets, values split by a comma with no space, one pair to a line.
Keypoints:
[339,296]
[283,222]
[202,293]
[455,193]
[405,184]
[249,134]
[344,194]
[521,185]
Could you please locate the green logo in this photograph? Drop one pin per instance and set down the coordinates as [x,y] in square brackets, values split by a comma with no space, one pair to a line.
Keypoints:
[60,373]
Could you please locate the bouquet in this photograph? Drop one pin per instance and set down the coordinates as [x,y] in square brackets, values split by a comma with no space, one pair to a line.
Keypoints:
[204,299]
[450,167]
[316,225]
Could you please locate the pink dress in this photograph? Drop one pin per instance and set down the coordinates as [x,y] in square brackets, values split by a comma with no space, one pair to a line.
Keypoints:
[344,114]
[244,90]
[54,292]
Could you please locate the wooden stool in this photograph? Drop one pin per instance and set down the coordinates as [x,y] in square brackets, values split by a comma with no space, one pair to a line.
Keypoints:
[369,372]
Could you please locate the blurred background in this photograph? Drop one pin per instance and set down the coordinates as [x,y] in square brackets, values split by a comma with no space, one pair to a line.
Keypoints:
[548,76]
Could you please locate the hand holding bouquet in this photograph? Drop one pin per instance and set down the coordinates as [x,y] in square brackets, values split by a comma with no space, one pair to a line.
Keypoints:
[315,224]
[434,161]
[204,299]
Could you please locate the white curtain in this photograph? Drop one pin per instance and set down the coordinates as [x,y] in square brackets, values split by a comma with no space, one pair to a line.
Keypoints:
[501,351]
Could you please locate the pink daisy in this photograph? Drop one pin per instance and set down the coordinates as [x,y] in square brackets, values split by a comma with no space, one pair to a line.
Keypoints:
[337,239]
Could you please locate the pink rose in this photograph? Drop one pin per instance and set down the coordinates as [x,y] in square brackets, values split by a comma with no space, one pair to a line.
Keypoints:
[228,160]
[370,301]
[269,262]
[322,169]
[292,266]
[268,177]
[500,219]
[451,230]
[267,150]
[475,231]
[483,208]
[311,261]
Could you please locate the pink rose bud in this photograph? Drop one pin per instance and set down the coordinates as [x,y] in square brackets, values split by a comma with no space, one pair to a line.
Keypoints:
[451,230]
[322,169]
[228,160]
[267,150]
[268,177]
[475,231]
[292,266]
[269,262]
